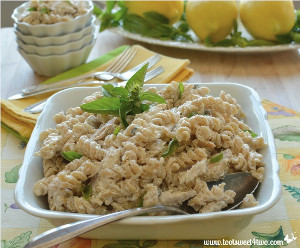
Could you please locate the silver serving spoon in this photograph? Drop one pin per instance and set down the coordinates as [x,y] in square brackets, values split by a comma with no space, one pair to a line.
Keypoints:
[242,183]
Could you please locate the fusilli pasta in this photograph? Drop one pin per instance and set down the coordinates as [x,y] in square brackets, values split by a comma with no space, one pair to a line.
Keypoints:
[127,169]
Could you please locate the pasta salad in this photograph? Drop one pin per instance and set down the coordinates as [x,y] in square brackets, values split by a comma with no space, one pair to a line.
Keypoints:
[125,147]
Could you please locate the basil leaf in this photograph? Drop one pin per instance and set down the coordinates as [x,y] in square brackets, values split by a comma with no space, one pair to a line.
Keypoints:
[160,31]
[252,133]
[144,107]
[284,38]
[208,42]
[105,21]
[118,15]
[216,158]
[240,41]
[192,114]
[86,191]
[107,89]
[173,145]
[119,91]
[155,18]
[181,89]
[32,9]
[136,82]
[110,5]
[104,105]
[134,109]
[150,96]
[111,91]
[141,201]
[183,27]
[224,43]
[71,155]
[296,36]
[182,37]
[117,130]
[260,43]
[123,111]
[135,24]
[97,11]
[44,10]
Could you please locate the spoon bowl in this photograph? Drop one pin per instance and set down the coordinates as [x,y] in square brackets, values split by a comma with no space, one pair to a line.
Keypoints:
[242,183]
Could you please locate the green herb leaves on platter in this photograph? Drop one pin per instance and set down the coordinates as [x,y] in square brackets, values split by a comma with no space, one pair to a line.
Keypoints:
[71,155]
[237,40]
[110,17]
[124,101]
[153,24]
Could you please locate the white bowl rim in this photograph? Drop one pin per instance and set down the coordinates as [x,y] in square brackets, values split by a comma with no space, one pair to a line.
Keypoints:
[89,25]
[152,220]
[14,16]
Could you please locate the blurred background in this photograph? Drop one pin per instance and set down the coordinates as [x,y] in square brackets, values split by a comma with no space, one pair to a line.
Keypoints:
[8,6]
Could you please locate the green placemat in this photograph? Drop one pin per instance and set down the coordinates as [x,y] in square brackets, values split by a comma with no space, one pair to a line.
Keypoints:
[79,70]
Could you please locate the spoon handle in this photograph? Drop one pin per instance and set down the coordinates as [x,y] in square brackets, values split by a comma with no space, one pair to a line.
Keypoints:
[62,233]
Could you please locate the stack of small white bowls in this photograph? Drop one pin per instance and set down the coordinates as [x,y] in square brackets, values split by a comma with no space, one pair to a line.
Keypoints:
[51,49]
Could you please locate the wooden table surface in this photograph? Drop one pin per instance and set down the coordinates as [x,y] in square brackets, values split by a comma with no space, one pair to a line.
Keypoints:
[275,76]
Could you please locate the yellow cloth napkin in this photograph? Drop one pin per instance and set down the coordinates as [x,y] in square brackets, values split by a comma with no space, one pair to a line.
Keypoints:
[22,123]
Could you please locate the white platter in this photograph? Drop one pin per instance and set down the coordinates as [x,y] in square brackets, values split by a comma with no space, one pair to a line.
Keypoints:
[201,47]
[199,226]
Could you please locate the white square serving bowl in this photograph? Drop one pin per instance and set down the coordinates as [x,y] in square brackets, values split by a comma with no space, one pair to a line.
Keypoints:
[214,225]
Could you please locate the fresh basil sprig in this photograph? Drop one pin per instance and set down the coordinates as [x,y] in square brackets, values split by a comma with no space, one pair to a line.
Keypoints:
[216,158]
[110,17]
[71,155]
[124,101]
[155,25]
[173,145]
[151,24]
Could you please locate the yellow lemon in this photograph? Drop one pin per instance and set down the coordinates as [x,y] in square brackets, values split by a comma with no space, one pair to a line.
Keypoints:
[266,19]
[170,9]
[213,19]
